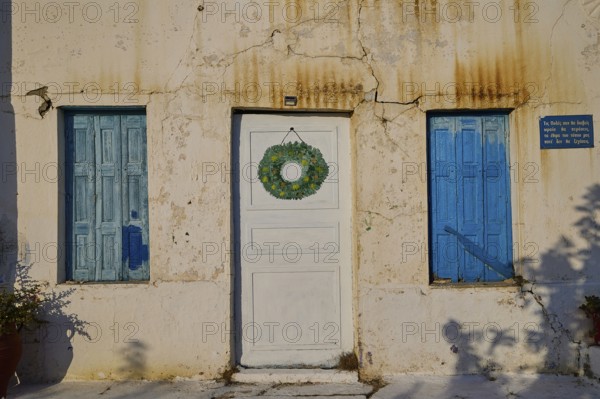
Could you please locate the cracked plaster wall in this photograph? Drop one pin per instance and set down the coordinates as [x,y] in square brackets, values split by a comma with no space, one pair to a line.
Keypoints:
[388,63]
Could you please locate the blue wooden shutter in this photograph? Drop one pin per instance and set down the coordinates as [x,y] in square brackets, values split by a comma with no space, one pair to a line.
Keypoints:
[135,242]
[443,197]
[108,197]
[80,180]
[469,198]
[498,218]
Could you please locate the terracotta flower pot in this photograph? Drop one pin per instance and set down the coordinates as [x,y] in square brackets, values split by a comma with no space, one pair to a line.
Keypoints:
[11,349]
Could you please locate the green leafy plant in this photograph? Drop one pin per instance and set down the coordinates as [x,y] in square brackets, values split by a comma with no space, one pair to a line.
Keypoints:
[20,307]
[314,170]
[591,307]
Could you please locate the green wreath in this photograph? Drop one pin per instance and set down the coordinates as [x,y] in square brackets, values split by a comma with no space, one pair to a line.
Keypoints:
[314,170]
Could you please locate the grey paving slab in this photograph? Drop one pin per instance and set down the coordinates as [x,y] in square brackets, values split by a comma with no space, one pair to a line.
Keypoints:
[434,387]
[477,387]
[312,397]
[328,390]
[116,390]
[240,391]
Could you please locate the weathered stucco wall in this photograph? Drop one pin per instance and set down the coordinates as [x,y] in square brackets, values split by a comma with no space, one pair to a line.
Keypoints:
[190,64]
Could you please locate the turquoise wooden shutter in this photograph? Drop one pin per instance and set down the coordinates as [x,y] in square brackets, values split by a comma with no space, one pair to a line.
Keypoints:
[80,180]
[469,198]
[107,197]
[135,241]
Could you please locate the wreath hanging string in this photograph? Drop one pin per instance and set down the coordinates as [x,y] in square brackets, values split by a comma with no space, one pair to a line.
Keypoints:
[313,169]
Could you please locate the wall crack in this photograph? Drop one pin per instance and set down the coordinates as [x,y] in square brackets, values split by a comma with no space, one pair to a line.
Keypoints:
[555,325]
[561,16]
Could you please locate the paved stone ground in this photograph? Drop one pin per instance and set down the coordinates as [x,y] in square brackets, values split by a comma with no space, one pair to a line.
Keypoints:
[508,386]
[189,389]
[399,387]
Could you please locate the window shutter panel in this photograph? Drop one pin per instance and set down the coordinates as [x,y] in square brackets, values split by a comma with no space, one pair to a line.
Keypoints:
[469,186]
[498,218]
[135,227]
[108,191]
[81,218]
[442,199]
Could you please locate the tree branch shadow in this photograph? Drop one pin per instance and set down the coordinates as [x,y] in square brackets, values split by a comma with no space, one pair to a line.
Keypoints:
[554,289]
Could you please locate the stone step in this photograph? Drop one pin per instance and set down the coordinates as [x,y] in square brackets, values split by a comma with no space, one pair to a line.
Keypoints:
[294,376]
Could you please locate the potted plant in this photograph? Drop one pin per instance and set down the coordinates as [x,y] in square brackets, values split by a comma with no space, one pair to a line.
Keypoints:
[19,307]
[591,307]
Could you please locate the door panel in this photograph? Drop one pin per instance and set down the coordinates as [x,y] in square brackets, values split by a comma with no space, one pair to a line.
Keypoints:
[262,138]
[294,256]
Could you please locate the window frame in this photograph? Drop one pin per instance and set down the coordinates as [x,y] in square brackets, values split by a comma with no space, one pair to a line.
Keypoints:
[125,272]
[505,175]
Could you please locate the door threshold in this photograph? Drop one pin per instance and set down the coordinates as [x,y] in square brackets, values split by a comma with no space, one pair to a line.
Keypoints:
[294,376]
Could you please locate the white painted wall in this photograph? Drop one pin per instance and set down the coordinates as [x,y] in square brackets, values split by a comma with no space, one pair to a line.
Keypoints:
[387,62]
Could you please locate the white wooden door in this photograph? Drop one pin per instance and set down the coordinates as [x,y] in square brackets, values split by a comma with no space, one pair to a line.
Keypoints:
[294,257]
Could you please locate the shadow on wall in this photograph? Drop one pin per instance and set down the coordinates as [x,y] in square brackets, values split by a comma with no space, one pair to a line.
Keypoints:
[557,287]
[48,348]
[554,286]
[134,357]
